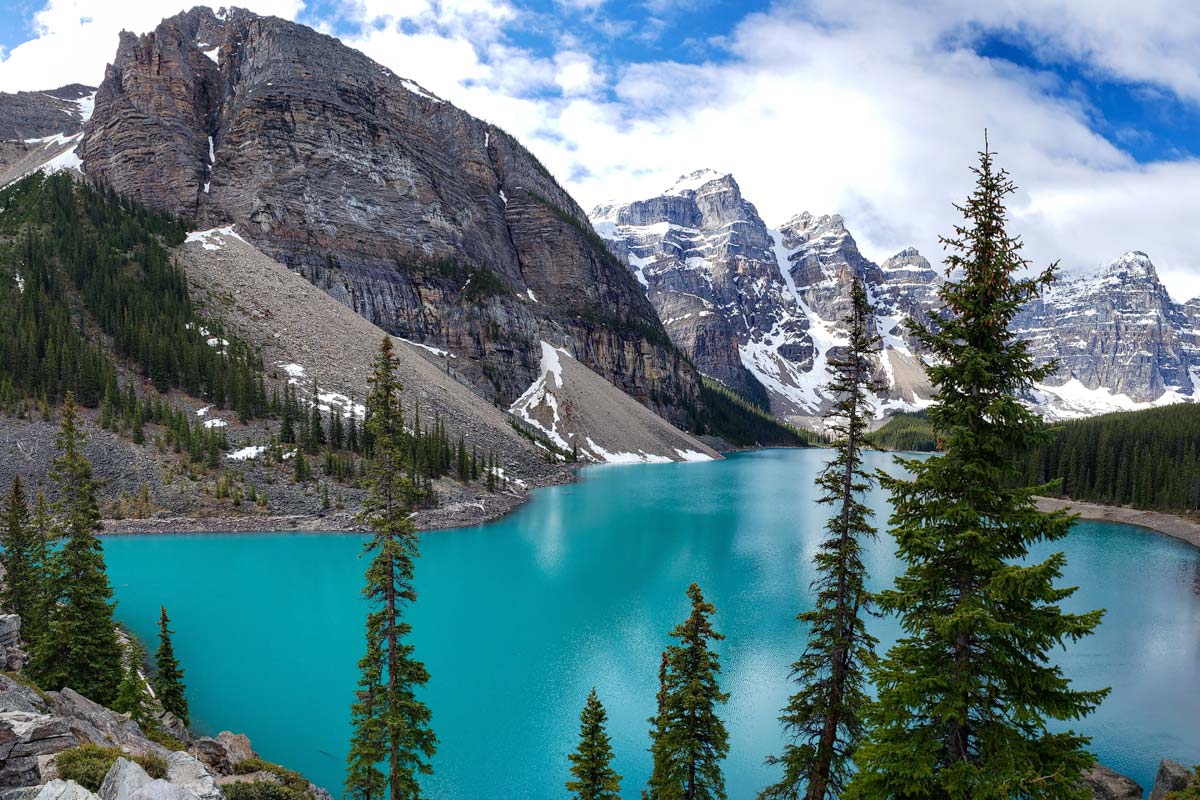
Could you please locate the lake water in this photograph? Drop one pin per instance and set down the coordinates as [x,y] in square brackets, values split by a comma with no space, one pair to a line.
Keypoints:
[518,619]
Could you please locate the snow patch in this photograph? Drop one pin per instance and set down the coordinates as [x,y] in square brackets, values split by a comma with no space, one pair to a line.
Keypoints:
[437,351]
[86,105]
[254,451]
[532,296]
[692,455]
[540,393]
[213,239]
[215,423]
[640,457]
[212,54]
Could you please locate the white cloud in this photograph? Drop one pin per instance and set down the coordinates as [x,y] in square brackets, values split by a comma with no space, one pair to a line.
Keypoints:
[872,109]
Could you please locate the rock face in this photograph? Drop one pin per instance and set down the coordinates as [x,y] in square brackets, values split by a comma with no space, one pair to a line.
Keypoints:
[759,309]
[753,306]
[430,223]
[36,115]
[1171,777]
[1105,784]
[1120,338]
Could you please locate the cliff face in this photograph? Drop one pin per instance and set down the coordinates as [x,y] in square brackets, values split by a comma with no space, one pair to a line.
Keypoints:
[1118,332]
[430,223]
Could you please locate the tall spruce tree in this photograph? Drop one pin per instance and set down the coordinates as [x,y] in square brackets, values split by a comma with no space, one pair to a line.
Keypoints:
[80,648]
[42,532]
[168,677]
[824,718]
[689,740]
[966,694]
[390,724]
[593,777]
[19,593]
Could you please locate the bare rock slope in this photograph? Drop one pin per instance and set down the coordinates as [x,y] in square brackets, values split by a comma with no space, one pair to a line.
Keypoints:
[309,338]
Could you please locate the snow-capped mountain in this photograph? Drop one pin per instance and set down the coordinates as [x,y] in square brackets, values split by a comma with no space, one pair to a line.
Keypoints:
[757,307]
[1121,340]
[761,309]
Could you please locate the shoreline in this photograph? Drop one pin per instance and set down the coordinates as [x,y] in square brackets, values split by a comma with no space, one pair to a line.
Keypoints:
[1172,525]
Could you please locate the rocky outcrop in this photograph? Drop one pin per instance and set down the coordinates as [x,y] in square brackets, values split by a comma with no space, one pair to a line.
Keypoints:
[1105,784]
[1171,777]
[36,115]
[35,726]
[430,223]
[12,657]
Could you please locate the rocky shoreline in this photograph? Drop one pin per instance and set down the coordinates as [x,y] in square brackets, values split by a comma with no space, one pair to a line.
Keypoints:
[1173,525]
[460,513]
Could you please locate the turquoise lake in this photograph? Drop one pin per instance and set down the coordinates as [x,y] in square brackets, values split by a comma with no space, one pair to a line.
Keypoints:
[518,619]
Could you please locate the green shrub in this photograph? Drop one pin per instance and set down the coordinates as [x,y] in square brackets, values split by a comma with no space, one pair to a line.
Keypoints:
[87,764]
[262,790]
[291,779]
[156,733]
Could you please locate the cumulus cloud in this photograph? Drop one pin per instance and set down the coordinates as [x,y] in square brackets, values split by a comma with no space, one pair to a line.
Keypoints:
[871,109]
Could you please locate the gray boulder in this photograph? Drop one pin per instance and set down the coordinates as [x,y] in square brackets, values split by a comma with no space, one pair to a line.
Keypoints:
[184,770]
[64,790]
[1172,777]
[24,736]
[1105,784]
[222,753]
[12,657]
[93,723]
[128,781]
[20,793]
[123,780]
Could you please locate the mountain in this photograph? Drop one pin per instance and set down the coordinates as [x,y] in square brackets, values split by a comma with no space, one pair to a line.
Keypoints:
[432,224]
[40,130]
[1123,343]
[760,309]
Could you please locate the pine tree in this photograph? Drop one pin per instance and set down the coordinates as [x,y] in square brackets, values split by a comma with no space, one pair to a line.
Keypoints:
[689,740]
[133,696]
[825,715]
[966,694]
[168,679]
[390,724]
[41,533]
[80,648]
[19,593]
[591,763]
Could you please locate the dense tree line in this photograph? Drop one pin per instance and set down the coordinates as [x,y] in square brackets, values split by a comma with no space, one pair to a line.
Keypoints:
[84,275]
[1147,459]
[55,579]
[906,433]
[726,414]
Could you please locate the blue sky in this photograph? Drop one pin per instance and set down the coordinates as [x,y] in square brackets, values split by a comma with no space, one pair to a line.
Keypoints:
[868,108]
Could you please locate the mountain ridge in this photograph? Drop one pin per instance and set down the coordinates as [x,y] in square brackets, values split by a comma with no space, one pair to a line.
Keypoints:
[804,294]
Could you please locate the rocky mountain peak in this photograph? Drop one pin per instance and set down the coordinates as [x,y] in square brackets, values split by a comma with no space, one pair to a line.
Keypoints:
[693,182]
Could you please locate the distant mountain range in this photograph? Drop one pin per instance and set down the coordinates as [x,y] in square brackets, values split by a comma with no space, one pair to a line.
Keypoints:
[760,309]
